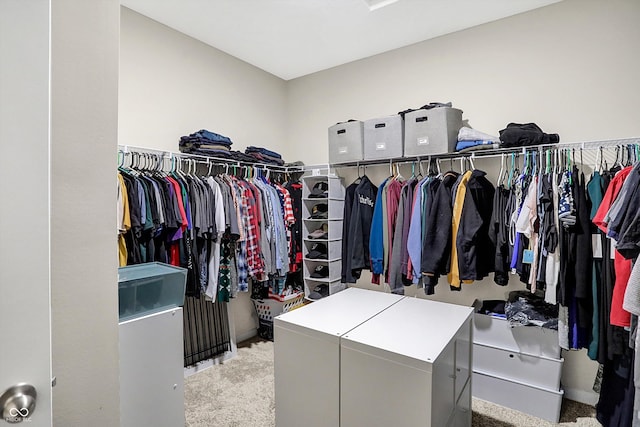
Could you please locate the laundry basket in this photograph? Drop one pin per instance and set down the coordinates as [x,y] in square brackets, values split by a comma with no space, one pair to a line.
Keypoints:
[268,308]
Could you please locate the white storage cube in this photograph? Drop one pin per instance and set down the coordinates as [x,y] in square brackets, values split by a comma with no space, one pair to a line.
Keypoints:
[334,267]
[399,367]
[335,186]
[346,142]
[334,229]
[532,340]
[335,208]
[307,355]
[335,286]
[539,402]
[334,248]
[537,371]
[433,131]
[383,138]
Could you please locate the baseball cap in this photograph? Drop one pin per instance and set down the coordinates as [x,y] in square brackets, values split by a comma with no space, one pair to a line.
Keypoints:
[318,251]
[319,291]
[319,211]
[320,190]
[320,233]
[320,272]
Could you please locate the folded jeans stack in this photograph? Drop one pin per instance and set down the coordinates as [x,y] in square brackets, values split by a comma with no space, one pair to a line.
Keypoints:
[211,144]
[264,155]
[204,139]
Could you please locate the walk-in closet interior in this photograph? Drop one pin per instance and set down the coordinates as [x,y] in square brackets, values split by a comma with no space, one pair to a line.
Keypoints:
[323,213]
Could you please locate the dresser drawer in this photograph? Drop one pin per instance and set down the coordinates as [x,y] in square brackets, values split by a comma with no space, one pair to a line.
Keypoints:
[537,371]
[533,340]
[531,400]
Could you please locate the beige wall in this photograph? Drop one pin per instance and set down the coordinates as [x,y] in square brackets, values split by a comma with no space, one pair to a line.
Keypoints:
[570,67]
[84,298]
[173,85]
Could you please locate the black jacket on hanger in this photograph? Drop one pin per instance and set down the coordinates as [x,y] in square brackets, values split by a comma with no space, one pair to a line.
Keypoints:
[503,206]
[436,245]
[364,200]
[476,252]
[346,276]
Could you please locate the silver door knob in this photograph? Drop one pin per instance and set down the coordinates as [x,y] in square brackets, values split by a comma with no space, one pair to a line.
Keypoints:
[18,403]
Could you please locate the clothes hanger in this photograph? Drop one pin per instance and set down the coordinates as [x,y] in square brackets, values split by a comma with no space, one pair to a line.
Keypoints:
[511,169]
[359,177]
[501,173]
[399,176]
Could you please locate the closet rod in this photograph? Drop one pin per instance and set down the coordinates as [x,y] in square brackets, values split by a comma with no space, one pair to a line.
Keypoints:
[207,159]
[488,153]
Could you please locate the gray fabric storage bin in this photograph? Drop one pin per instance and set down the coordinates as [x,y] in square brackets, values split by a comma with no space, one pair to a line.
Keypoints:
[383,138]
[433,131]
[346,142]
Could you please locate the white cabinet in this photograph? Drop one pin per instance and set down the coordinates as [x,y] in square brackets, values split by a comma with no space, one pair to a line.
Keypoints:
[307,355]
[152,370]
[519,368]
[408,366]
[322,228]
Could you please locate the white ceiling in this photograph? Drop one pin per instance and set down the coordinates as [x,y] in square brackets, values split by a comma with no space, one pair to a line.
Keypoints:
[292,38]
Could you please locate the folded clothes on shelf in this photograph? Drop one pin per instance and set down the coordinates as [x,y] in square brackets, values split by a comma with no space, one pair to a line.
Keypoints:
[522,135]
[211,136]
[263,151]
[204,137]
[223,154]
[465,146]
[469,134]
[263,158]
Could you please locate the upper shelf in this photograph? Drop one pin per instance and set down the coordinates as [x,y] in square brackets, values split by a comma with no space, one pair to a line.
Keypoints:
[494,152]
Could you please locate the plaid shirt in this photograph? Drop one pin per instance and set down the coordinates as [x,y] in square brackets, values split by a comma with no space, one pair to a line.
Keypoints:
[254,259]
[285,200]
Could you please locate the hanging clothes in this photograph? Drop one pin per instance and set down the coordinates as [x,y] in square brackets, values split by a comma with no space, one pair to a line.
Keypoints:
[399,254]
[346,276]
[376,237]
[223,229]
[436,245]
[361,213]
[475,249]
[503,205]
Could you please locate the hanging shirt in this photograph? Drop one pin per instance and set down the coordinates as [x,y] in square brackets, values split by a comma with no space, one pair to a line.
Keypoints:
[394,189]
[124,220]
[376,238]
[436,246]
[414,242]
[349,200]
[454,274]
[360,228]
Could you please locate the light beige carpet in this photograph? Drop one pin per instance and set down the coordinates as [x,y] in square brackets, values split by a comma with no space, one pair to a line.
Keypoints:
[239,393]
